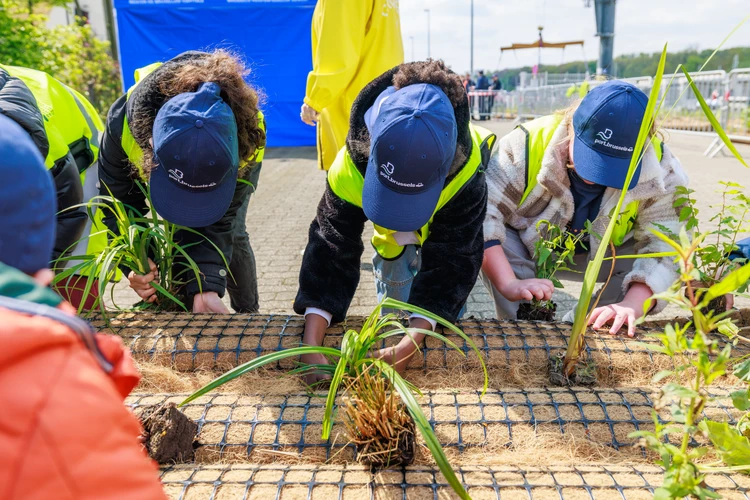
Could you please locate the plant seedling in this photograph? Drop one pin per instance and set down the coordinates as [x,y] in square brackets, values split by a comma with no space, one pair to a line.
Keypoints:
[355,361]
[553,251]
[137,239]
[713,258]
[699,362]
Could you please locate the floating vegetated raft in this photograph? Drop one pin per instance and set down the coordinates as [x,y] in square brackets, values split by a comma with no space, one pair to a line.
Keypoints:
[260,435]
[517,353]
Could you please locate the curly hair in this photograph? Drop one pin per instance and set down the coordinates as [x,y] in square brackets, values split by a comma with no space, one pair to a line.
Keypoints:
[434,72]
[229,72]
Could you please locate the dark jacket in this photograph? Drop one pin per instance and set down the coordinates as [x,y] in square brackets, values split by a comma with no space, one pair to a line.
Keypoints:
[118,176]
[18,103]
[451,256]
[483,83]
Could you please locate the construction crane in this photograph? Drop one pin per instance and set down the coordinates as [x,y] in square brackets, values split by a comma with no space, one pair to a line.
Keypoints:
[541,44]
[604,10]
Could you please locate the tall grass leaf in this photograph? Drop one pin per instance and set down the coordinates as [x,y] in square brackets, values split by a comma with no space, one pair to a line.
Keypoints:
[396,304]
[580,322]
[168,295]
[259,362]
[654,255]
[338,377]
[746,19]
[731,282]
[712,118]
[405,331]
[424,427]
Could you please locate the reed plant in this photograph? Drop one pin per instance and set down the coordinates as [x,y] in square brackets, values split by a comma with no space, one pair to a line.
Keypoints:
[357,361]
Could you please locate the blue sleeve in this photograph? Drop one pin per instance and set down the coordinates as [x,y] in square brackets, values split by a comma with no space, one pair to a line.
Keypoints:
[491,243]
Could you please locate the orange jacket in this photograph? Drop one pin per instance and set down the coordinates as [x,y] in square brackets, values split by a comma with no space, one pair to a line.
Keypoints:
[64,431]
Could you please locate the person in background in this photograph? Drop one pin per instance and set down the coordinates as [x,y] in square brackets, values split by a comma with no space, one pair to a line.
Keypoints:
[65,128]
[496,83]
[569,168]
[68,434]
[468,84]
[191,130]
[496,86]
[413,166]
[483,83]
[352,43]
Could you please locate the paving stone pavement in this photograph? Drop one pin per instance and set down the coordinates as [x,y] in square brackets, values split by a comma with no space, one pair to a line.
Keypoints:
[291,185]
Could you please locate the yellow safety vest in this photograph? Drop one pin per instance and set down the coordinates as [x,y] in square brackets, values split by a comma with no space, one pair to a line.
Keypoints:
[347,183]
[68,116]
[539,133]
[134,151]
[70,123]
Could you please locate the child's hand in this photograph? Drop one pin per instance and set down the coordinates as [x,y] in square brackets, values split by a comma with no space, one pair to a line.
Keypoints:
[142,283]
[529,289]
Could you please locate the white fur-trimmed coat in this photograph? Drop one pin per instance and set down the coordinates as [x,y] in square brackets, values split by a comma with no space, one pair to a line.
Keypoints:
[552,200]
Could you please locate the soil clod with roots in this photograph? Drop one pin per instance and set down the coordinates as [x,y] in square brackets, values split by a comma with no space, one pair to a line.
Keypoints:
[169,436]
[537,311]
[584,374]
[378,423]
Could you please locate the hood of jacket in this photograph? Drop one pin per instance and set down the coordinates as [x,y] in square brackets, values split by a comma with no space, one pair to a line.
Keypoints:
[366,98]
[19,104]
[147,97]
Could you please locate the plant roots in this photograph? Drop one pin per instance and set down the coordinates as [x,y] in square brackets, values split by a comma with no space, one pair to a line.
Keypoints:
[585,372]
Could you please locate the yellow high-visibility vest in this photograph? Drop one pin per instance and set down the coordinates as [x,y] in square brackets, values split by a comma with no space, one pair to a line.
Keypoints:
[71,123]
[539,133]
[347,183]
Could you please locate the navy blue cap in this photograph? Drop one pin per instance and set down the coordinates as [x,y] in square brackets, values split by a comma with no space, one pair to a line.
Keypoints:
[28,202]
[412,145]
[606,129]
[197,157]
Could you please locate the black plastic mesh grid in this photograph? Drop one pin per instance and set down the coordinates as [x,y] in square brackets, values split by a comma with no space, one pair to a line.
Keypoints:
[252,482]
[206,341]
[265,428]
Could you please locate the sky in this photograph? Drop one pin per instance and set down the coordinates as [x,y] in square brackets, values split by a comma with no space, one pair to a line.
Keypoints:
[640,26]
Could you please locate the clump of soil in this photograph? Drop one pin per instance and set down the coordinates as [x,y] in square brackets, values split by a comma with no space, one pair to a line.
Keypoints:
[537,311]
[169,436]
[584,374]
[717,305]
[378,423]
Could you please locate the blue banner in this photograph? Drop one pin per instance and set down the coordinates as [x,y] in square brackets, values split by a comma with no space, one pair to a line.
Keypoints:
[273,36]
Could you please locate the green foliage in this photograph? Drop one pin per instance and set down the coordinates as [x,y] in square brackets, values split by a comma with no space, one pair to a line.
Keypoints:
[698,363]
[72,53]
[731,219]
[356,356]
[554,250]
[137,239]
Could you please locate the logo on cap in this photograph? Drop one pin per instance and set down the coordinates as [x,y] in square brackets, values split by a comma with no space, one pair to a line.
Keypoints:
[606,135]
[603,140]
[389,168]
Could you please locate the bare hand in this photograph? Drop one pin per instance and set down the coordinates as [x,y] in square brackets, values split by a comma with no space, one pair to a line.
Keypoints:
[141,284]
[209,302]
[529,289]
[309,115]
[402,353]
[619,314]
[315,331]
[730,301]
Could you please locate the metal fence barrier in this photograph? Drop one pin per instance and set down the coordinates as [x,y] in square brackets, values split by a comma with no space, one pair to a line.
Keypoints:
[727,94]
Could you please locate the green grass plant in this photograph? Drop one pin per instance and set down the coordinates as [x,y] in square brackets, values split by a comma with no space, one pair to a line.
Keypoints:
[138,237]
[358,354]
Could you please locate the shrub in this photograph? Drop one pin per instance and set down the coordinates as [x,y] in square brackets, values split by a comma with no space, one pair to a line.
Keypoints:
[71,53]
